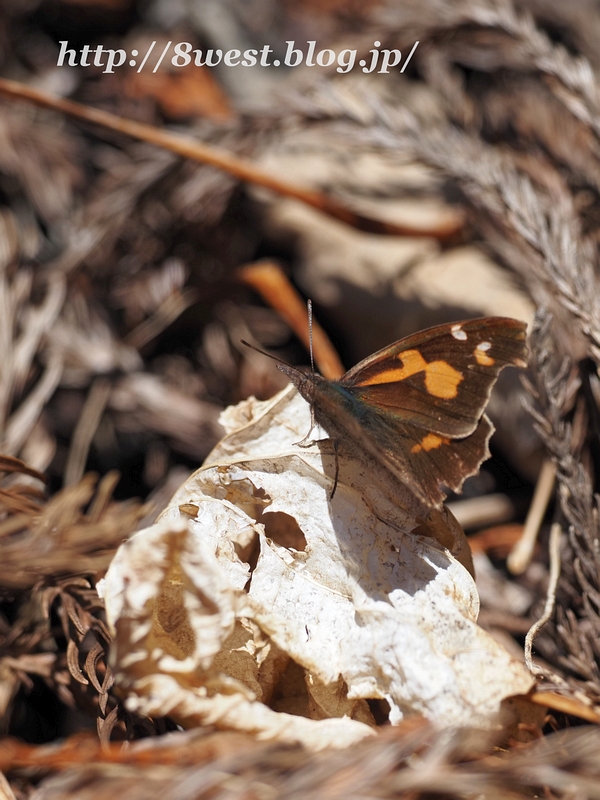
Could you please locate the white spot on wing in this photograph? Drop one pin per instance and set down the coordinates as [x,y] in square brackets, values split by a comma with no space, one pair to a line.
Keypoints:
[458,333]
[484,346]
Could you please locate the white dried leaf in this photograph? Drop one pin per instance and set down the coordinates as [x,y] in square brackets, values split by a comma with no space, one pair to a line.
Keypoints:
[340,588]
[178,650]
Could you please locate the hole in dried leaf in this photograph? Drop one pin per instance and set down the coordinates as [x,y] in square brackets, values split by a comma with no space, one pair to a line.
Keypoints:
[290,695]
[380,708]
[249,554]
[172,630]
[283,530]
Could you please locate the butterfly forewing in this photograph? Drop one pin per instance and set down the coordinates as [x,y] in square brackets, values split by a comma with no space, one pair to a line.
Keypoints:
[440,379]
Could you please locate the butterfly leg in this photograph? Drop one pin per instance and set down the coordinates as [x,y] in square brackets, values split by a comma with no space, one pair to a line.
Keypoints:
[307,441]
[337,468]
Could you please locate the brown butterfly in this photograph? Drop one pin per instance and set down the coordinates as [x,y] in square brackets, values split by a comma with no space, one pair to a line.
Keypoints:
[417,406]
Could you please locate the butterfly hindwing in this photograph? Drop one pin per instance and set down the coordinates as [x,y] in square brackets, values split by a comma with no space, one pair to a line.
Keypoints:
[426,459]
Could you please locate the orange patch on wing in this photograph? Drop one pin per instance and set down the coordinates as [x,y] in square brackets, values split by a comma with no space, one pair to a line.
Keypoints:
[481,355]
[430,442]
[412,362]
[441,380]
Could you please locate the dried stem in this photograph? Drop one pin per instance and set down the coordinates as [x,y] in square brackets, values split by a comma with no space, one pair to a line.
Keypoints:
[239,167]
[269,280]
[554,548]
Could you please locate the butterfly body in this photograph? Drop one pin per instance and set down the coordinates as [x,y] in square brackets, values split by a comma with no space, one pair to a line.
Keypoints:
[417,406]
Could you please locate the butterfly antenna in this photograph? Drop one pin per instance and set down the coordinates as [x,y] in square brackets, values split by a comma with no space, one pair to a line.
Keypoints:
[313,419]
[310,336]
[262,352]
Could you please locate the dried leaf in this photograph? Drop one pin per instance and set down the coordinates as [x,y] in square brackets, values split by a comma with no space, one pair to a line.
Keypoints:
[364,606]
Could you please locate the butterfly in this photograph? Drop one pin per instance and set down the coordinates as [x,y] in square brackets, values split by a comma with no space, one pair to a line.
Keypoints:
[417,406]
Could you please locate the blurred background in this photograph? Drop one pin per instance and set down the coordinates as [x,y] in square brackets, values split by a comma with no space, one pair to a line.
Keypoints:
[129,274]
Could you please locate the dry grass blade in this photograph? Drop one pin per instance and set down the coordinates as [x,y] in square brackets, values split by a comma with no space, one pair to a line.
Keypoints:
[165,314]
[10,464]
[59,538]
[23,328]
[400,763]
[85,429]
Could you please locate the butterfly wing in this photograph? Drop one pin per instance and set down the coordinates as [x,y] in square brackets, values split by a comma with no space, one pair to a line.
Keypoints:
[439,380]
[424,461]
[421,400]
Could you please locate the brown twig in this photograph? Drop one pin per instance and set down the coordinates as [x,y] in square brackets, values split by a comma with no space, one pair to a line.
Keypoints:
[498,539]
[568,705]
[269,280]
[241,168]
[84,748]
[11,464]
